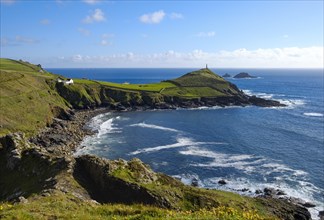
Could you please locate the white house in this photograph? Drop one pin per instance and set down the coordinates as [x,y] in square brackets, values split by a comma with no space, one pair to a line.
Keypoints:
[66,82]
[69,81]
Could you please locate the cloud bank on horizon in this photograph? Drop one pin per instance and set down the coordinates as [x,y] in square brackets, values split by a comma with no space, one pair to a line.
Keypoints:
[96,33]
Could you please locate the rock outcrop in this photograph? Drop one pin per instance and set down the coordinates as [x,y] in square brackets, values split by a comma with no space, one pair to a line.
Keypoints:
[134,182]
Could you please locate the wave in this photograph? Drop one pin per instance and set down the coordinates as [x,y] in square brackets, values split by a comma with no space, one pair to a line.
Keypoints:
[244,162]
[267,172]
[181,142]
[258,94]
[302,190]
[96,121]
[313,114]
[144,125]
[290,103]
[206,108]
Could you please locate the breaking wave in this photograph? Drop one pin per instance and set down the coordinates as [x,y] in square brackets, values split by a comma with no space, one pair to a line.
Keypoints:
[144,125]
[313,114]
[181,142]
[284,99]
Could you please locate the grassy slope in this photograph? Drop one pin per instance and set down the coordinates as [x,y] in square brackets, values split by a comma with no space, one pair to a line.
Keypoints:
[201,83]
[26,100]
[66,206]
[28,94]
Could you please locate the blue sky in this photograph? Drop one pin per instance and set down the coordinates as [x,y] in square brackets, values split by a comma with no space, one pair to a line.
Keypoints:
[94,33]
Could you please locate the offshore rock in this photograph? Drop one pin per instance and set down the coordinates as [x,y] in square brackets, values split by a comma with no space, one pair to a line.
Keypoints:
[243,75]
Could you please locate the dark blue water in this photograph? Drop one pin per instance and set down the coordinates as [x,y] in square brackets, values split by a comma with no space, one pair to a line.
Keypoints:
[250,147]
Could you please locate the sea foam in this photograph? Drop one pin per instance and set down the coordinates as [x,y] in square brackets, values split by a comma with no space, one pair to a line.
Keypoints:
[313,114]
[181,142]
[152,126]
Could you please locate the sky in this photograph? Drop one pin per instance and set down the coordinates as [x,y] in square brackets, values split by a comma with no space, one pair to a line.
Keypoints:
[170,34]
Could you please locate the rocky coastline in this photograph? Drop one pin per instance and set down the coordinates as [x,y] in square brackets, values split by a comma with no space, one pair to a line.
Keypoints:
[63,137]
[58,142]
[44,165]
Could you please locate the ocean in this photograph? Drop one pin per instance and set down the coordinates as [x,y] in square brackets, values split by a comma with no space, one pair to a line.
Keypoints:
[249,147]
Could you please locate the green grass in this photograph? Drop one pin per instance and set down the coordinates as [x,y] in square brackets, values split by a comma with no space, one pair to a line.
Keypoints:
[192,92]
[154,87]
[203,77]
[66,206]
[26,102]
[9,64]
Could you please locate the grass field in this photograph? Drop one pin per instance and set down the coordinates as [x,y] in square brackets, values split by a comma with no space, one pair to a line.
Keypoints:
[65,206]
[26,99]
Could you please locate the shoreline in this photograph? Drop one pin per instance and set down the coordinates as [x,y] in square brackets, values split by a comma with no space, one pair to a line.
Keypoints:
[82,117]
[62,138]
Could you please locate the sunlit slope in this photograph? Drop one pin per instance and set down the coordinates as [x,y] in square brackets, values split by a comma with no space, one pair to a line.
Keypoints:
[31,96]
[27,102]
[201,83]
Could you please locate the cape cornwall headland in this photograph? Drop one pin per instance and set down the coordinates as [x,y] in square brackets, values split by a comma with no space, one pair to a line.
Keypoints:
[42,123]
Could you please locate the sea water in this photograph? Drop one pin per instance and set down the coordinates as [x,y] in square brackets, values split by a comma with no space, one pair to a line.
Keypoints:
[250,147]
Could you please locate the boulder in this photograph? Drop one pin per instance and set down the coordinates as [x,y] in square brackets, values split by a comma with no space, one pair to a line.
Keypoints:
[309,205]
[258,191]
[269,191]
[222,182]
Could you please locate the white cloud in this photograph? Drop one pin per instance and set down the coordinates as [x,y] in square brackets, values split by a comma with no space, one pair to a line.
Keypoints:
[285,36]
[291,57]
[7,2]
[91,2]
[45,22]
[206,34]
[85,32]
[174,15]
[153,18]
[96,16]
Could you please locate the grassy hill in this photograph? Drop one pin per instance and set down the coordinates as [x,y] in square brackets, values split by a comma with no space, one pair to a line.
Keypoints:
[28,103]
[31,97]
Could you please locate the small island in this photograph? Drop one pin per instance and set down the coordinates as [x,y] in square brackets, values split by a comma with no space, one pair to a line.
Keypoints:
[226,75]
[243,75]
